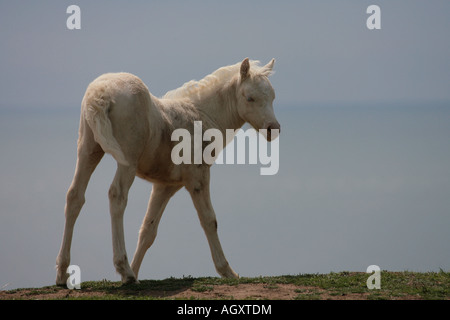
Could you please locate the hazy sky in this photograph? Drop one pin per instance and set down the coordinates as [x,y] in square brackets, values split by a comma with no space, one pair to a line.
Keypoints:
[364,152]
[324,51]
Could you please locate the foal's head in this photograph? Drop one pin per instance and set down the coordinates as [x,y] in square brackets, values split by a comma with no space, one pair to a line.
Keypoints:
[255,98]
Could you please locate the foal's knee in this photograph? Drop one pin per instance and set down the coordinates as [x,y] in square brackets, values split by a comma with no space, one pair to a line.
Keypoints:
[147,235]
[117,197]
[209,225]
[74,200]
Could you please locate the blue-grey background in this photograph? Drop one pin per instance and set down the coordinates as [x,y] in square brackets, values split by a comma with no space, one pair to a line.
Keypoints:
[364,152]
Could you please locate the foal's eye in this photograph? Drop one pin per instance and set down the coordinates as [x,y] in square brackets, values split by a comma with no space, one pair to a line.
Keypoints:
[250,99]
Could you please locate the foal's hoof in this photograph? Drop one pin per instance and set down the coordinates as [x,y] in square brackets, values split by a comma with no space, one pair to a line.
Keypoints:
[61,281]
[228,273]
[232,275]
[129,280]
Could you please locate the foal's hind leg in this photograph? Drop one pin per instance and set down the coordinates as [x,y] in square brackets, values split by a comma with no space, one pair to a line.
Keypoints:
[89,155]
[118,197]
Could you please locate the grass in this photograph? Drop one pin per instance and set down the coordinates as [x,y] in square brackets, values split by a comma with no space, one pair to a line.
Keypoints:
[342,285]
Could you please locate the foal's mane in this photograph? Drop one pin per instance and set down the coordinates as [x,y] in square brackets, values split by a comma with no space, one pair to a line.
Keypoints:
[197,89]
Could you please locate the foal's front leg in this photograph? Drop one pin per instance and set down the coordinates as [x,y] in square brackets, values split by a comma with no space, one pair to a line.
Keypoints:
[199,191]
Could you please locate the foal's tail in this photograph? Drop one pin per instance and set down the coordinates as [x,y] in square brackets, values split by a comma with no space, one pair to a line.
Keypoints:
[96,110]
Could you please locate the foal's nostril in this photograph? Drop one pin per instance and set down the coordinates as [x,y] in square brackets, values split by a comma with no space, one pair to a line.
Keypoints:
[276,128]
[269,133]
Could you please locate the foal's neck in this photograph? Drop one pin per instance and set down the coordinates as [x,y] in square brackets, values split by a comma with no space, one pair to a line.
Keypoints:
[219,109]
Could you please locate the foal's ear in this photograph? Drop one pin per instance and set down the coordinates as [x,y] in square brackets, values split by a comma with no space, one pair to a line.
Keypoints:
[245,69]
[267,70]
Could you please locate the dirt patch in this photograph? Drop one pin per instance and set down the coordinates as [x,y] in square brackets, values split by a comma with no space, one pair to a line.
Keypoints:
[47,294]
[256,291]
[243,291]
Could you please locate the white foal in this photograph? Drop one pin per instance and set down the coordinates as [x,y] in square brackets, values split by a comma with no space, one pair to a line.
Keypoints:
[120,116]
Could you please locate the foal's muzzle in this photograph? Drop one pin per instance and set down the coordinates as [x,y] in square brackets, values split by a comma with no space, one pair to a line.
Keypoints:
[273,130]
